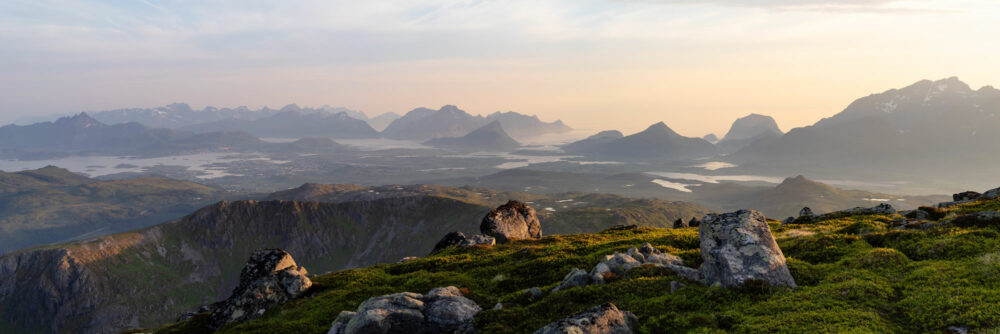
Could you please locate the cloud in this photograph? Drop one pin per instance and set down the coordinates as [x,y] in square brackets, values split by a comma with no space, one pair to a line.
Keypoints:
[844,6]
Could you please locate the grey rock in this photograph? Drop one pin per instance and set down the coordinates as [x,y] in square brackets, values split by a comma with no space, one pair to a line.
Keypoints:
[992,193]
[694,222]
[603,319]
[966,196]
[881,209]
[442,310]
[737,247]
[269,278]
[687,273]
[534,292]
[576,277]
[789,220]
[458,239]
[806,212]
[948,204]
[680,223]
[957,330]
[511,221]
[917,214]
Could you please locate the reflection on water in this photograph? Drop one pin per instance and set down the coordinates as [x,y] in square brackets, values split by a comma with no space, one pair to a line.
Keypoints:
[93,166]
[717,178]
[674,185]
[715,165]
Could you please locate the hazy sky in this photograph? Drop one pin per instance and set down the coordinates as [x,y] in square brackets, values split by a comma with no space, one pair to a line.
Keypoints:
[694,64]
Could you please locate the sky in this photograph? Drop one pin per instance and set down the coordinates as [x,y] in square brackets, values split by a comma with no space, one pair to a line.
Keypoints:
[595,64]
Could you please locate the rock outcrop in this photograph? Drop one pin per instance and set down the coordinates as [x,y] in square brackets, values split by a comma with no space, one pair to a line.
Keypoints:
[737,247]
[966,196]
[806,212]
[514,220]
[269,278]
[442,310]
[881,209]
[603,319]
[618,264]
[458,239]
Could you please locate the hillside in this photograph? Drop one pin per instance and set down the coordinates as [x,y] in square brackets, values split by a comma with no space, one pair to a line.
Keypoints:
[656,143]
[423,124]
[52,204]
[858,273]
[489,138]
[150,276]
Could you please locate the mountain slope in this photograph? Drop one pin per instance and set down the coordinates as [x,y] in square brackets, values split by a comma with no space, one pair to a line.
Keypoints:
[424,124]
[150,276]
[656,143]
[489,138]
[179,115]
[524,126]
[52,205]
[855,273]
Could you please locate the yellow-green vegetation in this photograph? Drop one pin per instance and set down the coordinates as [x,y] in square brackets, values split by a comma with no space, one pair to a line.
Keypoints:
[856,274]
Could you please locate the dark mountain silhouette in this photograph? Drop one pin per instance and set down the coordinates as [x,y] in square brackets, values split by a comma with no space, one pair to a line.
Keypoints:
[522,126]
[490,138]
[711,138]
[594,142]
[746,130]
[656,143]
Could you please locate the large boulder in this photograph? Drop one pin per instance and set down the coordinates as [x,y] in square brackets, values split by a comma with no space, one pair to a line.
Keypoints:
[603,319]
[737,247]
[269,278]
[806,212]
[992,193]
[442,310]
[510,221]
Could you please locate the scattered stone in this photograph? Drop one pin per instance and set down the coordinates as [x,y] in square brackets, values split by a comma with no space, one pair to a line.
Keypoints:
[949,204]
[534,292]
[269,278]
[957,330]
[576,277]
[694,222]
[806,212]
[442,310]
[680,223]
[916,214]
[458,239]
[511,221]
[675,285]
[881,209]
[737,247]
[618,264]
[966,196]
[978,219]
[498,306]
[604,319]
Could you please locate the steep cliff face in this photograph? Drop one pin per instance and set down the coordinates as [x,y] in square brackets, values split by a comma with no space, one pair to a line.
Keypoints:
[148,277]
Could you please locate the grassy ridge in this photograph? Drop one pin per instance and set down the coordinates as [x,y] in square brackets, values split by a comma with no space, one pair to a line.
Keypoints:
[856,274]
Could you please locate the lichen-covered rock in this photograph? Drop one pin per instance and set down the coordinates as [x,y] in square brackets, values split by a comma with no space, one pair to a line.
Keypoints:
[442,310]
[619,264]
[576,277]
[966,196]
[789,220]
[992,193]
[269,278]
[458,239]
[737,247]
[603,319]
[511,221]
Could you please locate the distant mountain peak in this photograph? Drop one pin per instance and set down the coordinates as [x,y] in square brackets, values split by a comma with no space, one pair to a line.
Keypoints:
[81,120]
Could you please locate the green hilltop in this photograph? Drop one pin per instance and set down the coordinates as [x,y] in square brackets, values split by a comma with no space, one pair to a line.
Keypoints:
[857,273]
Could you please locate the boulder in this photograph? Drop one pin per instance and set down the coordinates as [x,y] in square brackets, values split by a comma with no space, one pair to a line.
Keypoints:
[680,223]
[576,277]
[966,196]
[694,222]
[789,220]
[511,221]
[442,310]
[881,209]
[458,239]
[269,278]
[675,285]
[737,247]
[619,264]
[603,319]
[992,193]
[806,212]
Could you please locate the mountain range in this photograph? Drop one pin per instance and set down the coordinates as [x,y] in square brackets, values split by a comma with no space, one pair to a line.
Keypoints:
[746,130]
[294,124]
[656,143]
[449,121]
